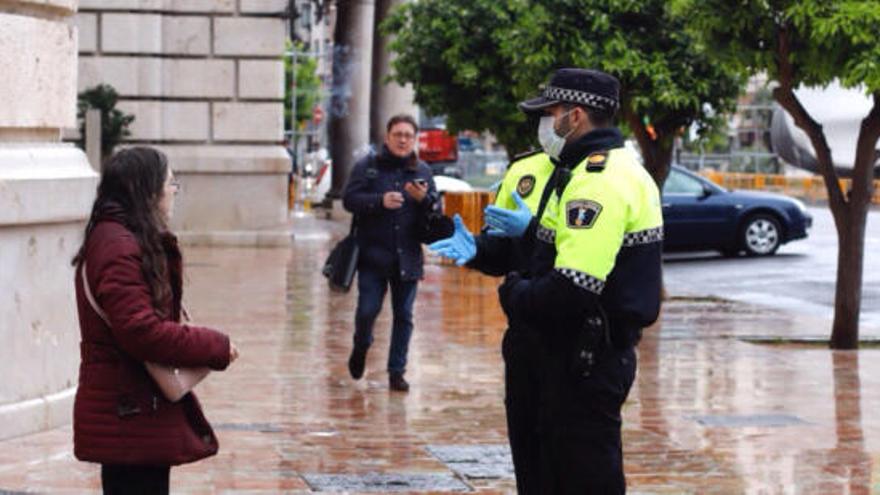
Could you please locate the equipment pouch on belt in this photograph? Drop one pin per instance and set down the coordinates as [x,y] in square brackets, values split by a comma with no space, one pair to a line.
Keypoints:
[589,341]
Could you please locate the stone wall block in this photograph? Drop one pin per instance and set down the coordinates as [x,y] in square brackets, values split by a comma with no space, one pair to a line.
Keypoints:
[207,6]
[87,25]
[121,4]
[261,79]
[250,202]
[38,86]
[248,122]
[167,120]
[248,36]
[199,78]
[131,33]
[263,6]
[226,6]
[129,76]
[186,35]
[156,77]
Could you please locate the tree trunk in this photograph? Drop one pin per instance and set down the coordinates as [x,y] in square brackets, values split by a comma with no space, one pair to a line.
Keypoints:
[659,159]
[851,235]
[848,293]
[656,153]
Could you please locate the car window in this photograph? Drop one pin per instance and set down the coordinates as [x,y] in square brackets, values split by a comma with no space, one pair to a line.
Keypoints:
[679,183]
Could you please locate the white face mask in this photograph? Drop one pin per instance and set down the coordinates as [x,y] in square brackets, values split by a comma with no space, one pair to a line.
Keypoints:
[551,142]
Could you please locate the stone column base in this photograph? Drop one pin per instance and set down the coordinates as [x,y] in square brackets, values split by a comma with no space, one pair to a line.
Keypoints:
[232,195]
[46,193]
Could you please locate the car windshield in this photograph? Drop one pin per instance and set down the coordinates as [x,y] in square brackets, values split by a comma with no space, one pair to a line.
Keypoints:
[681,183]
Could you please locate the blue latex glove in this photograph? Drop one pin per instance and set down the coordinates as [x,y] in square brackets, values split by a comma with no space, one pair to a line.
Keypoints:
[508,223]
[460,247]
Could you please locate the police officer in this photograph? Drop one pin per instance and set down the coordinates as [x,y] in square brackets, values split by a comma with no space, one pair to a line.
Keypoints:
[507,245]
[594,283]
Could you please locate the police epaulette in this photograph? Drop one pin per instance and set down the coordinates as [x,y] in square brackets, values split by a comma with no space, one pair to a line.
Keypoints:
[596,161]
[525,154]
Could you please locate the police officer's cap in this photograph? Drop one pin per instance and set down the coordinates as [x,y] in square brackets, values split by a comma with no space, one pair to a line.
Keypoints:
[590,88]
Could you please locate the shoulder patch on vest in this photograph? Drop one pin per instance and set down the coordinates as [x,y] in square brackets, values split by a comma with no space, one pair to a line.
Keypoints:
[371,173]
[526,185]
[582,213]
[596,161]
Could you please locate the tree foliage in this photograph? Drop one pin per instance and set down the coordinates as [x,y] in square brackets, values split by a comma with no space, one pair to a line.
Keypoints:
[114,123]
[307,83]
[474,59]
[450,52]
[810,43]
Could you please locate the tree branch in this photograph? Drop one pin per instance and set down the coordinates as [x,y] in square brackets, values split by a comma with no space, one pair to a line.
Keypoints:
[866,155]
[784,95]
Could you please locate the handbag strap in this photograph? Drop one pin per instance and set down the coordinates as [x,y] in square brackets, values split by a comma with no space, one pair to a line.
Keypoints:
[90,298]
[94,304]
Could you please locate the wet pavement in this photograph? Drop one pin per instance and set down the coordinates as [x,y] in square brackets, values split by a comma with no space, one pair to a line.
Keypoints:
[800,278]
[712,412]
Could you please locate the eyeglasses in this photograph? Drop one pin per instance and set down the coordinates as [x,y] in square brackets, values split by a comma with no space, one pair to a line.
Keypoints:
[176,185]
[407,136]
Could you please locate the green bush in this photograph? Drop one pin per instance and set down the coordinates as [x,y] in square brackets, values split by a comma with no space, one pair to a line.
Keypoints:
[114,123]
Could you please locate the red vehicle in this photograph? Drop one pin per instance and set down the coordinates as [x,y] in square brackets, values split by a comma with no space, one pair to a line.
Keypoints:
[439,149]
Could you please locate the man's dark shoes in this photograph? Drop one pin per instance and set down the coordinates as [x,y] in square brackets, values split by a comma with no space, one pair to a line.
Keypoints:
[357,361]
[397,383]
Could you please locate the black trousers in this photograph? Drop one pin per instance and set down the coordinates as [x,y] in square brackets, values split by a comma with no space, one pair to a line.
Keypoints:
[522,387]
[135,480]
[580,429]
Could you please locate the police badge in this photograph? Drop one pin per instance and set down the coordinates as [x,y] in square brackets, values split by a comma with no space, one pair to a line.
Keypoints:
[582,213]
[526,185]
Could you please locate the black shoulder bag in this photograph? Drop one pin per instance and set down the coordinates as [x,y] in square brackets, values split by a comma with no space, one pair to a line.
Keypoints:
[341,264]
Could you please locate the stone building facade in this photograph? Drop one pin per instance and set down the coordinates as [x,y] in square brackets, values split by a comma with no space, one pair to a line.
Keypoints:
[46,190]
[205,82]
[204,79]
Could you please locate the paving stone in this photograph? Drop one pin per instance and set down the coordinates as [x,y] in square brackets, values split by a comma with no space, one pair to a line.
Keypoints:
[476,461]
[748,420]
[261,427]
[385,483]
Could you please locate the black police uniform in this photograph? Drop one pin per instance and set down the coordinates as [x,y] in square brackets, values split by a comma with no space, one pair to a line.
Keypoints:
[587,335]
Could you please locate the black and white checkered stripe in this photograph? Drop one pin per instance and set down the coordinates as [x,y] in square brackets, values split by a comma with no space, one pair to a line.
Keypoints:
[580,97]
[546,235]
[646,236]
[583,280]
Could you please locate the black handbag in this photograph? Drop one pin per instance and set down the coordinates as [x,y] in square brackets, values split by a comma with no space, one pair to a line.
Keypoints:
[341,264]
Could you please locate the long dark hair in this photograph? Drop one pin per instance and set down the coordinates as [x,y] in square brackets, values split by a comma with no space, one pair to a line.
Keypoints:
[132,184]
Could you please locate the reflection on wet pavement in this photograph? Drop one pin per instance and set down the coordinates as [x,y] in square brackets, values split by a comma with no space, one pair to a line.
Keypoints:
[709,413]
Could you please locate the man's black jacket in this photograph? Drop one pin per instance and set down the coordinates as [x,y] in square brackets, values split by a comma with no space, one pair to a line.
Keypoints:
[390,240]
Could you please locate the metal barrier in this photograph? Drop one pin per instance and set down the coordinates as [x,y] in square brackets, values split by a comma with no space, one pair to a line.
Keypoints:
[811,188]
[469,205]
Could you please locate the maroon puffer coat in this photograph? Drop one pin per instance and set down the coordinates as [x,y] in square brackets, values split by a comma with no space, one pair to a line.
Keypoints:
[119,415]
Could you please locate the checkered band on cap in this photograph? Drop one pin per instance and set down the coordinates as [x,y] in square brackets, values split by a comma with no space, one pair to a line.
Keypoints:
[583,280]
[546,235]
[643,237]
[579,97]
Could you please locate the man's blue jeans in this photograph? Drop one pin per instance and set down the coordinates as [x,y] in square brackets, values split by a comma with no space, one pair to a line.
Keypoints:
[371,294]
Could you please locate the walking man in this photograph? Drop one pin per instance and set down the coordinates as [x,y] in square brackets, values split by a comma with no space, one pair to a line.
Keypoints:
[391,194]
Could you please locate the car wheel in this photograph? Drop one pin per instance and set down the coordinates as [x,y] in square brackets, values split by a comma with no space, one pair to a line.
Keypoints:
[761,235]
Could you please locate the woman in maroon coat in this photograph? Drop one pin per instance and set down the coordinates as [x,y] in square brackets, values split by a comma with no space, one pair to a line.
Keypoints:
[134,270]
